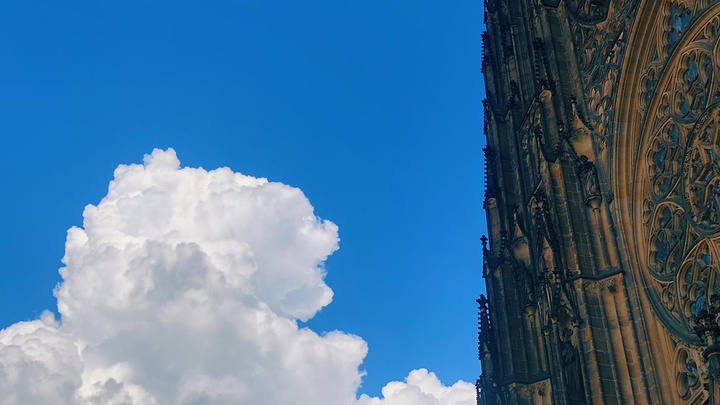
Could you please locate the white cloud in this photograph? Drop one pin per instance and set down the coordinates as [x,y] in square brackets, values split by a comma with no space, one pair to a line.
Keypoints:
[423,388]
[38,363]
[184,286]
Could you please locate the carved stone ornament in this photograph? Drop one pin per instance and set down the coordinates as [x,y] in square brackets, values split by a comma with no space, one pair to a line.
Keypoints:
[689,374]
[588,11]
[589,181]
[677,178]
[572,369]
[599,29]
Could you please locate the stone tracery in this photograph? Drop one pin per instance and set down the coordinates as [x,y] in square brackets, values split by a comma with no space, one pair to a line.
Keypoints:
[680,179]
[688,380]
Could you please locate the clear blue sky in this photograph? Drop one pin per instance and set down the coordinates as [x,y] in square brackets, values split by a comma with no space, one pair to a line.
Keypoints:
[372,108]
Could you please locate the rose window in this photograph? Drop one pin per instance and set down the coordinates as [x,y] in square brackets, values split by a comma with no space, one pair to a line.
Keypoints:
[677,179]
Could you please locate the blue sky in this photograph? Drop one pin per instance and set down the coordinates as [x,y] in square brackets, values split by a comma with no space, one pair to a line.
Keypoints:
[372,108]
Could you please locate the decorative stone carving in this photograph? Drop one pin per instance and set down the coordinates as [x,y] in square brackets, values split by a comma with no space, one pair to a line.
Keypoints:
[531,143]
[600,44]
[701,176]
[676,18]
[664,157]
[588,11]
[588,179]
[590,286]
[707,327]
[609,284]
[698,280]
[678,175]
[688,382]
[666,242]
[543,388]
[526,287]
[572,370]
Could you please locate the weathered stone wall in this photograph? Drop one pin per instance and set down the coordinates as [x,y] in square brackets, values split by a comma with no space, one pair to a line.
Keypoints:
[603,202]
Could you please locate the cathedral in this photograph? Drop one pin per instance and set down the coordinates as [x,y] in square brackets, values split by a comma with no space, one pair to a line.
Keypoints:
[602,259]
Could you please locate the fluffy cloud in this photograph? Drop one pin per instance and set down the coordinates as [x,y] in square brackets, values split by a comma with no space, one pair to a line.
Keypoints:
[184,286]
[38,363]
[423,388]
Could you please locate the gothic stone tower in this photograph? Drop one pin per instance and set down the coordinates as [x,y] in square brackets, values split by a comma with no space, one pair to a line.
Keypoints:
[602,262]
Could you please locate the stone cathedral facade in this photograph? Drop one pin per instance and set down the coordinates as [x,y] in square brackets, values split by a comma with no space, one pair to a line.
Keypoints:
[602,262]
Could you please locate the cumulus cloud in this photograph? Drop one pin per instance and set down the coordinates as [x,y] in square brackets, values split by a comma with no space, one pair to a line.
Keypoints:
[423,388]
[185,286]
